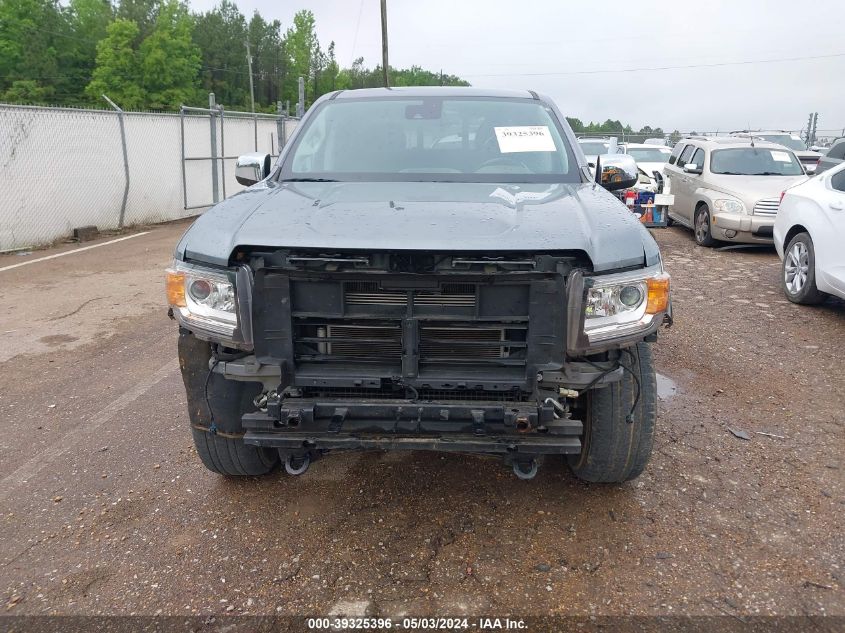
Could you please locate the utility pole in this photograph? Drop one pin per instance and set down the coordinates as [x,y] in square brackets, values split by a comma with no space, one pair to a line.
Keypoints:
[384,65]
[815,126]
[809,128]
[251,87]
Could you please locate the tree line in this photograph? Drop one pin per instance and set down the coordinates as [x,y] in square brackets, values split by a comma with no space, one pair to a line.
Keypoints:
[157,54]
[616,128]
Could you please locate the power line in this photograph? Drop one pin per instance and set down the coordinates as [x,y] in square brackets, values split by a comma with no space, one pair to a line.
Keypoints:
[634,70]
[357,26]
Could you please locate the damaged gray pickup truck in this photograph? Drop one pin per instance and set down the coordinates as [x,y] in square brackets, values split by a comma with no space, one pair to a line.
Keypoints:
[423,269]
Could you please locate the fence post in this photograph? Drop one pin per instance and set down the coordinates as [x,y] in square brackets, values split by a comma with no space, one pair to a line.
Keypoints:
[222,147]
[280,126]
[212,117]
[125,162]
[182,140]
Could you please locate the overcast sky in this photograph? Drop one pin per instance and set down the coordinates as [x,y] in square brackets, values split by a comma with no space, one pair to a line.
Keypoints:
[541,44]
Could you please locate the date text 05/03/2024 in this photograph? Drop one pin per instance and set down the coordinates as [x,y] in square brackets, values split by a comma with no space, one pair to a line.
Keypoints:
[410,623]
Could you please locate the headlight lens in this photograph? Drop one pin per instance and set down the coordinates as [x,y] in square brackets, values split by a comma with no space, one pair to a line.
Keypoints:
[203,299]
[626,303]
[729,206]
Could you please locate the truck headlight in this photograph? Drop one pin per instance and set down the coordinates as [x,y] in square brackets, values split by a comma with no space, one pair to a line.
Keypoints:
[623,304]
[729,206]
[203,299]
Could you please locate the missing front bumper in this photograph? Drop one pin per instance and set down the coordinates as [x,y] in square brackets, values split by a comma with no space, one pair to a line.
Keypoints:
[516,428]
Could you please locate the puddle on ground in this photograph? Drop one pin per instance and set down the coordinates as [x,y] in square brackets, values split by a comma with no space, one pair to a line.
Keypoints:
[666,387]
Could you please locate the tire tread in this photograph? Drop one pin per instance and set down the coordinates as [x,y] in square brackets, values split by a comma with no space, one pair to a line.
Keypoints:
[615,451]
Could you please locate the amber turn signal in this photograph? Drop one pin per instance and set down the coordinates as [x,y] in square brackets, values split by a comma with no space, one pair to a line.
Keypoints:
[658,294]
[176,288]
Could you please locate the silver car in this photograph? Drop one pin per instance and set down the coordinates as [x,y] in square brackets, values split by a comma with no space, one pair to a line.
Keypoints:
[729,188]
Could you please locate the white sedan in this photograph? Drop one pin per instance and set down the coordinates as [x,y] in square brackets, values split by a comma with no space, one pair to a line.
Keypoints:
[809,233]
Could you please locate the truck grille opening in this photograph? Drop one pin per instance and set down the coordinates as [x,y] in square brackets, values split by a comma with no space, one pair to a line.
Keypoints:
[438,343]
[423,394]
[369,293]
[331,341]
[472,343]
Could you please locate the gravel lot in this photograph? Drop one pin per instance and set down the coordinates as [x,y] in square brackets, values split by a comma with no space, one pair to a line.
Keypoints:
[106,508]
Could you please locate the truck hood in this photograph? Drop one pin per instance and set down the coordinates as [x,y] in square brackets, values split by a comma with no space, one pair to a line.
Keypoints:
[443,217]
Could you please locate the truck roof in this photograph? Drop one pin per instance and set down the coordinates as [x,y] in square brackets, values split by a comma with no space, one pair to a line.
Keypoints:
[433,91]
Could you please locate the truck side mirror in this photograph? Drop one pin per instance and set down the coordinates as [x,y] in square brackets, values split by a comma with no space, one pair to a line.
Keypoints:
[616,171]
[252,168]
[692,168]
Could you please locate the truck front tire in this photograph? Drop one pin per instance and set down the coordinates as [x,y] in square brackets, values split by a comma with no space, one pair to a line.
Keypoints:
[613,449]
[230,456]
[215,407]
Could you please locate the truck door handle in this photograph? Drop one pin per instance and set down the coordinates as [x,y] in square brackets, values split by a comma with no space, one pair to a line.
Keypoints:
[837,205]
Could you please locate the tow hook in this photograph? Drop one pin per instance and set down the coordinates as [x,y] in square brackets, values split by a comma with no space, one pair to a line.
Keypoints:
[297,464]
[525,469]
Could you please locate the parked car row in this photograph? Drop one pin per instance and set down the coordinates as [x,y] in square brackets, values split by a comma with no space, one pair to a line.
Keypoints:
[833,156]
[756,188]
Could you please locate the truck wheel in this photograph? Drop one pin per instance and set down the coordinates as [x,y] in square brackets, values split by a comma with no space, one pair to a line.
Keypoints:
[799,271]
[214,402]
[614,450]
[703,227]
[230,456]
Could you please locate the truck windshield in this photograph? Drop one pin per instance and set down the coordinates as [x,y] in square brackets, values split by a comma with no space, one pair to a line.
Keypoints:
[431,139]
[755,161]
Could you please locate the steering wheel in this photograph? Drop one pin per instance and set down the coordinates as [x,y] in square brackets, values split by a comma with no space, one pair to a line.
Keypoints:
[503,160]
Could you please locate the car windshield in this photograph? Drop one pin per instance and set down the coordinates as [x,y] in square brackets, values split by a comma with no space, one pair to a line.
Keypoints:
[787,140]
[649,154]
[754,161]
[594,148]
[431,139]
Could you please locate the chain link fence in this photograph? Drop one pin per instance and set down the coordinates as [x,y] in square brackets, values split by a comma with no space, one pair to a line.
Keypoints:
[64,168]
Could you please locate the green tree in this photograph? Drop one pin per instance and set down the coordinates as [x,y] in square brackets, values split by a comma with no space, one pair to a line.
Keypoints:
[576,124]
[144,13]
[170,60]
[329,71]
[30,37]
[300,43]
[265,42]
[118,72]
[26,91]
[220,35]
[88,21]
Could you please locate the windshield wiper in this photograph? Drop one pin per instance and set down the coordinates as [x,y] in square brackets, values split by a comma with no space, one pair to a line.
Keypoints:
[308,180]
[767,173]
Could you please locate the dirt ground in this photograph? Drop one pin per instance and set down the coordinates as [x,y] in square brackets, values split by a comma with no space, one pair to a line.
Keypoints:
[106,509]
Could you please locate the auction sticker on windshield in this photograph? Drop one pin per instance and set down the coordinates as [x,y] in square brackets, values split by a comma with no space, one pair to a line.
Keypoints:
[781,157]
[524,138]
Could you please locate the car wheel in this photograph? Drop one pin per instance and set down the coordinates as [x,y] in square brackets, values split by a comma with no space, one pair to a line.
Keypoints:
[614,449]
[799,271]
[703,234]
